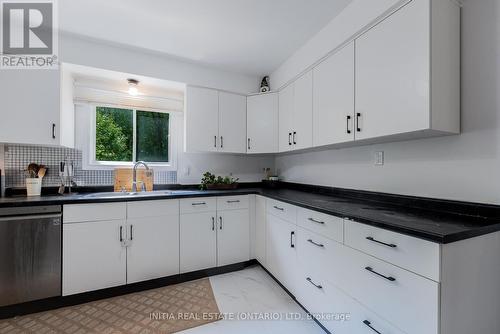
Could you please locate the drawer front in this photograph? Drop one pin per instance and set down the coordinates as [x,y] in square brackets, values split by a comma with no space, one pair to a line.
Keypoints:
[318,254]
[419,256]
[232,202]
[337,311]
[145,209]
[199,204]
[407,300]
[76,213]
[282,210]
[329,226]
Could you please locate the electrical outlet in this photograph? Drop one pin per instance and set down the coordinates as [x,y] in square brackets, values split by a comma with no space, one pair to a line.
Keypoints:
[379,158]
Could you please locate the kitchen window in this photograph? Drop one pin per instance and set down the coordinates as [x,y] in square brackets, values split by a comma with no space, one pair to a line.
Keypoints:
[121,136]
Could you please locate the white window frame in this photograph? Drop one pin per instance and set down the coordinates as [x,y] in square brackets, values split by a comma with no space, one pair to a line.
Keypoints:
[175,120]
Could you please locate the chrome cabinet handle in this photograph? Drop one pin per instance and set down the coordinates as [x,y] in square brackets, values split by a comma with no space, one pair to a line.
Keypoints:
[369,325]
[53,130]
[221,142]
[248,143]
[381,243]
[289,138]
[292,245]
[213,223]
[294,141]
[220,220]
[215,141]
[199,203]
[235,201]
[131,232]
[316,285]
[316,221]
[315,244]
[348,121]
[389,278]
[121,233]
[278,208]
[358,128]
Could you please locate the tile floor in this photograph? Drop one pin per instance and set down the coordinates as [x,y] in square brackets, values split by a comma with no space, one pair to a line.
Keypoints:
[253,291]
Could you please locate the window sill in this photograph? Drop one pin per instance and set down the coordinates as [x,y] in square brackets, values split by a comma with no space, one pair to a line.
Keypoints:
[113,166]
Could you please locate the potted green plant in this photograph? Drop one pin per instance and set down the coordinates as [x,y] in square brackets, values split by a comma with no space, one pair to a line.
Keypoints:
[212,182]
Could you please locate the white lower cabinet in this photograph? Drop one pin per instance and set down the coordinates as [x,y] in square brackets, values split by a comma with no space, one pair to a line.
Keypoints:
[260,229]
[214,237]
[89,246]
[281,252]
[233,237]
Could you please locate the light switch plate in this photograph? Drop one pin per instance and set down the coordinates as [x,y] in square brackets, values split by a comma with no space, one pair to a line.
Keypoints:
[379,158]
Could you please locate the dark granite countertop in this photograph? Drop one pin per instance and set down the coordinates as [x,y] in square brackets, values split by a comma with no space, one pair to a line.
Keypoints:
[434,220]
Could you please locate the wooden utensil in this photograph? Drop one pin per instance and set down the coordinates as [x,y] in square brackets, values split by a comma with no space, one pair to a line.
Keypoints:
[41,172]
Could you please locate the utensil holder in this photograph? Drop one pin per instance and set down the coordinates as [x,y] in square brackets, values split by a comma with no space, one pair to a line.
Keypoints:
[33,186]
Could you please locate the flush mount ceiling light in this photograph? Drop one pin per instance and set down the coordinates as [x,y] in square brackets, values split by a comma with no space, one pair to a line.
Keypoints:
[132,87]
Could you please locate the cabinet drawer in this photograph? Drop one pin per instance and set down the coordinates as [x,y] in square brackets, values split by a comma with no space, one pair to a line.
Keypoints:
[396,294]
[329,226]
[232,202]
[416,255]
[144,209]
[318,254]
[75,213]
[282,210]
[199,204]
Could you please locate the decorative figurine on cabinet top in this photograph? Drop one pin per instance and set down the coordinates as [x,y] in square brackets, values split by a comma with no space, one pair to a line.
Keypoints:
[264,85]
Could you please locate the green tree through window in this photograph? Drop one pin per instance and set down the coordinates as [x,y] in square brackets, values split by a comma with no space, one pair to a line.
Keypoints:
[115,135]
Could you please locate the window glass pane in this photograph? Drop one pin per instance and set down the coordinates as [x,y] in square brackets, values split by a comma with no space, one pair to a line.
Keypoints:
[114,134]
[152,136]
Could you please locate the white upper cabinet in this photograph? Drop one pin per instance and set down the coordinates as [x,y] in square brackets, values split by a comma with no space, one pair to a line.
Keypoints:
[295,114]
[407,75]
[214,121]
[262,123]
[232,123]
[201,120]
[302,112]
[33,111]
[333,98]
[285,118]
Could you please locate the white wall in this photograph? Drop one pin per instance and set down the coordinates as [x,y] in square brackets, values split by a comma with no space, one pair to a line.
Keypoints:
[76,50]
[464,167]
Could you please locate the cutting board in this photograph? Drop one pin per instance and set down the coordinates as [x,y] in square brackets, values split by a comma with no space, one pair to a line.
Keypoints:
[124,177]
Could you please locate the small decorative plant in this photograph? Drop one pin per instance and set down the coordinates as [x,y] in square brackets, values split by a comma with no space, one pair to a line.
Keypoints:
[210,181]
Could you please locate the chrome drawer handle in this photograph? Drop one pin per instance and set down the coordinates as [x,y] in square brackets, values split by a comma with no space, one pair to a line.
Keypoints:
[369,325]
[278,208]
[199,203]
[316,244]
[316,221]
[235,201]
[316,285]
[381,243]
[389,278]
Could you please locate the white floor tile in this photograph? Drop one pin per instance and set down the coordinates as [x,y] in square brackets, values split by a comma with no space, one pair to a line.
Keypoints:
[249,292]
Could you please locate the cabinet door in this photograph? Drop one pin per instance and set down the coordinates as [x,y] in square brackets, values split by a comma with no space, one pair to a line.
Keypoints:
[333,98]
[392,74]
[260,229]
[232,123]
[91,245]
[198,241]
[30,107]
[233,237]
[285,118]
[262,123]
[153,250]
[281,251]
[201,120]
[302,112]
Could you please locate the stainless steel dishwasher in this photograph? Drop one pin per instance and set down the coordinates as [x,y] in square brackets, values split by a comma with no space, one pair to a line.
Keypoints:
[30,253]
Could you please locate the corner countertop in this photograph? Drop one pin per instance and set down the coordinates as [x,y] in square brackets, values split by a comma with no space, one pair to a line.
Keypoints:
[433,224]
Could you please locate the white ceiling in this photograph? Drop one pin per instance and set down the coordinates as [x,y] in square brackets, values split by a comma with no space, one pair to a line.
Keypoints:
[245,36]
